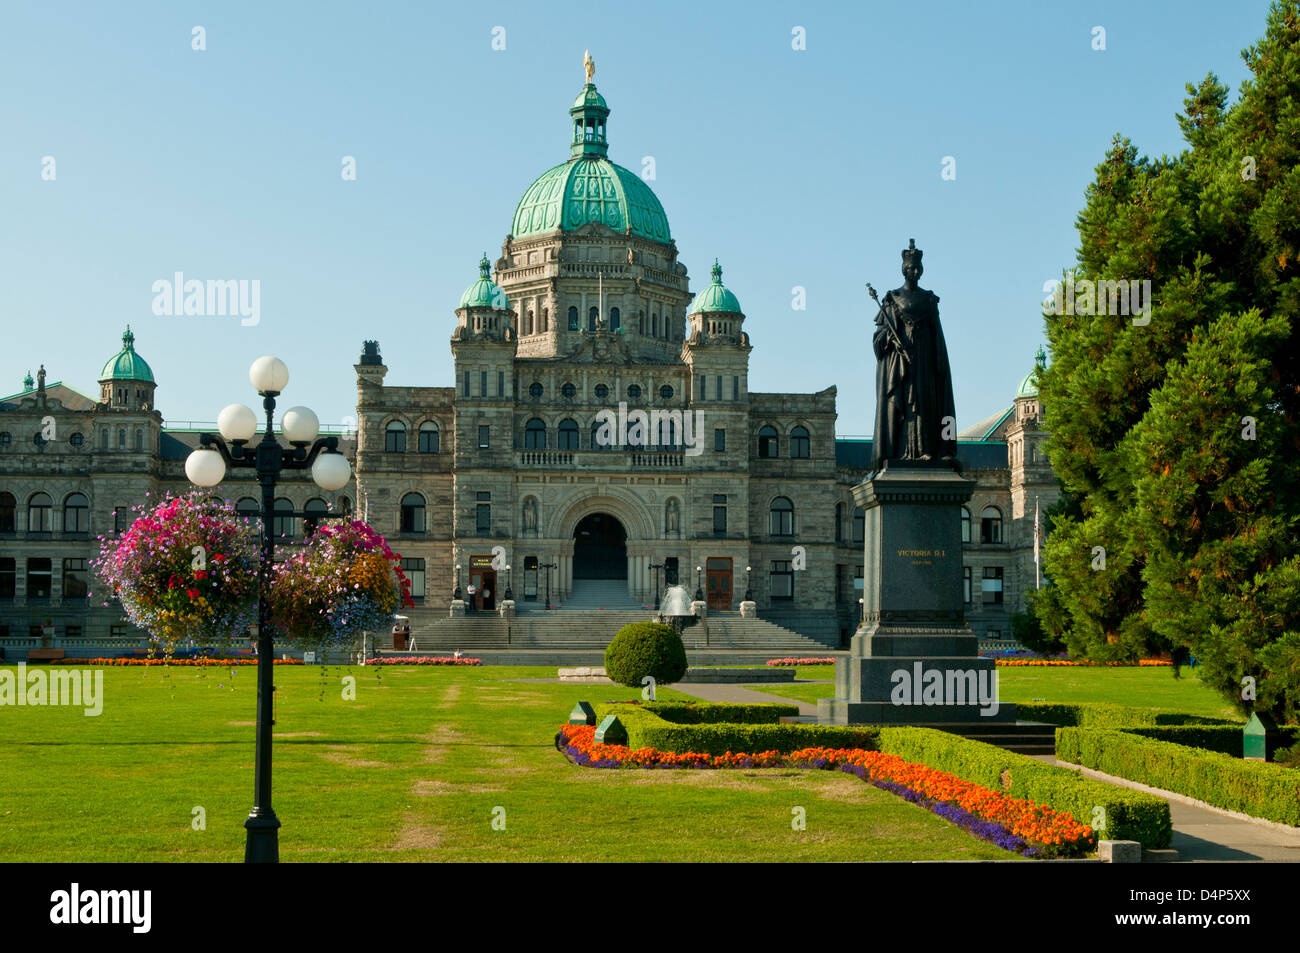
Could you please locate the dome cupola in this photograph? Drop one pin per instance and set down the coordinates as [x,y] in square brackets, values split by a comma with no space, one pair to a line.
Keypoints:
[484,293]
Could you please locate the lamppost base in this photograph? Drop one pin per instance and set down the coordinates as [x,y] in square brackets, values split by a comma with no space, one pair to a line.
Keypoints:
[262,845]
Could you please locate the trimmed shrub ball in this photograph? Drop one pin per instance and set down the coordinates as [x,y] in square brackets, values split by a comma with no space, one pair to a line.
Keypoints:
[645,648]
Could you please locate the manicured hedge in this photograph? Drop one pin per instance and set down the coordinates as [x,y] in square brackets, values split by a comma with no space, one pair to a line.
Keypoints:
[646,729]
[690,713]
[1106,715]
[1226,739]
[1261,790]
[1130,815]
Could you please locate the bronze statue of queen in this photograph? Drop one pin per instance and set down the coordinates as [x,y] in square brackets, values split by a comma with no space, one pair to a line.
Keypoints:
[915,416]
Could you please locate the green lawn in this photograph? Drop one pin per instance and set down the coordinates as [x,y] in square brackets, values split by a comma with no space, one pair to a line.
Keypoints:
[1134,687]
[412,770]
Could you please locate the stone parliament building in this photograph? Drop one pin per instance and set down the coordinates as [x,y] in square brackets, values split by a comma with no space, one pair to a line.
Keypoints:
[600,438]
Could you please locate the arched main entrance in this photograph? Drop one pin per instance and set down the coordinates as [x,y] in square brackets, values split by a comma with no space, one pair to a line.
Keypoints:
[599,548]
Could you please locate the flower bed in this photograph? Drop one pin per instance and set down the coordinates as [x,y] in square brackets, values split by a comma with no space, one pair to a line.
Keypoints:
[1077,663]
[791,662]
[196,662]
[423,660]
[1014,824]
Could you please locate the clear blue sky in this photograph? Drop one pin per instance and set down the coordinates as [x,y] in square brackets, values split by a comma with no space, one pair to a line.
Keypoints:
[809,168]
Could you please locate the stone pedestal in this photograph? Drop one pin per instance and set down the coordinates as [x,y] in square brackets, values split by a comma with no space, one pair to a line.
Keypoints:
[913,659]
[457,608]
[507,609]
[699,608]
[749,610]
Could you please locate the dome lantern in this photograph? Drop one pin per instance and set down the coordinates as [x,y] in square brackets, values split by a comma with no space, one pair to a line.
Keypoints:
[589,112]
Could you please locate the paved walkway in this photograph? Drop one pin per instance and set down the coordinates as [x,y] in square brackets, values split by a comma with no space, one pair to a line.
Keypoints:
[1200,833]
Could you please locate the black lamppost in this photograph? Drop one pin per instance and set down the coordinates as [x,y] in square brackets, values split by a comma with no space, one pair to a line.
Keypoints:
[699,591]
[206,466]
[749,592]
[548,567]
[510,595]
[656,567]
[455,594]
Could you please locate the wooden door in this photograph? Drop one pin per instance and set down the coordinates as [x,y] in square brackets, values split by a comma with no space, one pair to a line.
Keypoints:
[718,583]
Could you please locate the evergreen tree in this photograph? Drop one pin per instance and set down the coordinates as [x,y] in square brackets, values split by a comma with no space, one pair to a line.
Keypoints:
[1196,517]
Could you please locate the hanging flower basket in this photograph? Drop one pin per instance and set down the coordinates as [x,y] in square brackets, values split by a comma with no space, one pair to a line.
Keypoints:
[344,581]
[185,571]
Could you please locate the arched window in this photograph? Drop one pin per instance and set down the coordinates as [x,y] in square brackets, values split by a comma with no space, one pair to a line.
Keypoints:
[781,517]
[568,435]
[282,524]
[640,322]
[839,522]
[991,525]
[413,513]
[248,508]
[395,437]
[965,525]
[76,514]
[599,441]
[139,439]
[769,444]
[546,320]
[430,438]
[535,435]
[654,326]
[121,438]
[615,321]
[39,508]
[528,323]
[8,507]
[573,319]
[593,315]
[315,511]
[800,444]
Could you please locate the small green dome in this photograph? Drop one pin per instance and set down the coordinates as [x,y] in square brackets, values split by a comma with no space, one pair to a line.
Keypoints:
[715,297]
[484,293]
[589,97]
[1029,386]
[126,365]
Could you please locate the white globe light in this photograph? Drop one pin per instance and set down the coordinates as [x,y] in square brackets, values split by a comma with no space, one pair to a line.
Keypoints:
[331,471]
[205,467]
[268,374]
[237,422]
[300,425]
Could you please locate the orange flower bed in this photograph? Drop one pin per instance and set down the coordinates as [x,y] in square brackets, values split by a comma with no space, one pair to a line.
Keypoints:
[1014,823]
[1073,663]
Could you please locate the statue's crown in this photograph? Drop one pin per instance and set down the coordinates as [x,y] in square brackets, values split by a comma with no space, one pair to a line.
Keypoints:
[912,254]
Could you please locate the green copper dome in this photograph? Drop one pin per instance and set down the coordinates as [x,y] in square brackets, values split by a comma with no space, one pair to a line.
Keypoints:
[1029,386]
[484,293]
[715,297]
[589,188]
[127,365]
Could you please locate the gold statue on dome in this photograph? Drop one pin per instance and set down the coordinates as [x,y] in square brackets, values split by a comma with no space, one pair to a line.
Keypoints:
[589,63]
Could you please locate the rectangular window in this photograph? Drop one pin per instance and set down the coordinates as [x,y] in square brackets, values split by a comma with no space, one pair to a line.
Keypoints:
[72,631]
[965,585]
[530,577]
[720,440]
[670,571]
[857,581]
[839,584]
[117,631]
[781,581]
[501,383]
[992,585]
[703,386]
[483,496]
[717,386]
[76,580]
[483,519]
[465,392]
[8,577]
[39,573]
[121,518]
[735,388]
[859,524]
[484,437]
[482,383]
[719,516]
[414,569]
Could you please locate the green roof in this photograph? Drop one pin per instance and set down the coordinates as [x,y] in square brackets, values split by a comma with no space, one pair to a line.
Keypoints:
[589,188]
[715,297]
[484,293]
[126,365]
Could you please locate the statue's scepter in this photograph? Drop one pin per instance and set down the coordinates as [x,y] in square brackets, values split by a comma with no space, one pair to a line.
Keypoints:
[889,325]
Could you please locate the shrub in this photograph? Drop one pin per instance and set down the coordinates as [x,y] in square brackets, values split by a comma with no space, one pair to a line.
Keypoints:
[646,728]
[1129,815]
[645,648]
[1106,715]
[1252,787]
